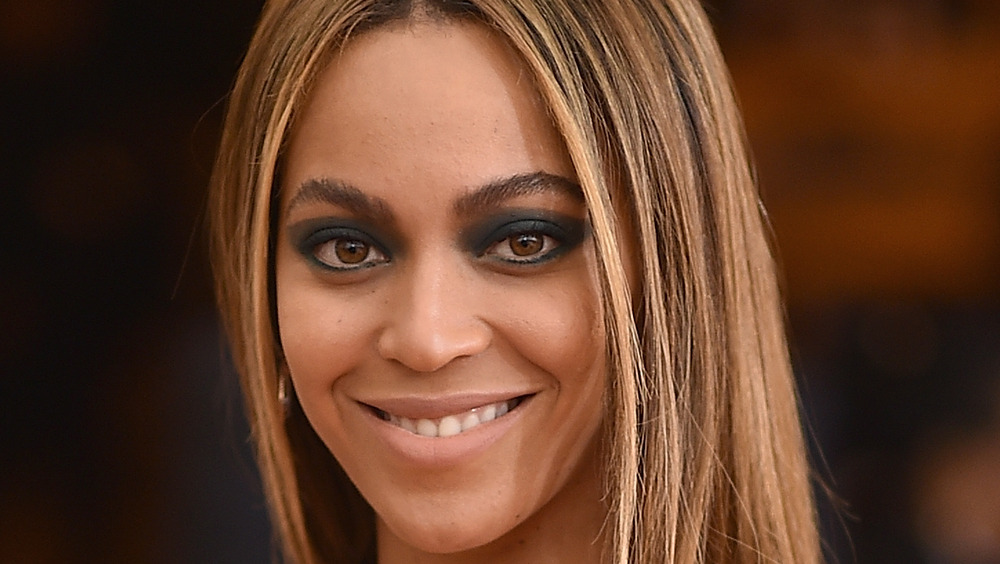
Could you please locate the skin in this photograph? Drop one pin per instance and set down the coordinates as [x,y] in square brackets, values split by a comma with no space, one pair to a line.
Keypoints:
[403,134]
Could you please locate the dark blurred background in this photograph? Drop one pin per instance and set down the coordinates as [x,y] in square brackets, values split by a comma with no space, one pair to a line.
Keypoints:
[876,130]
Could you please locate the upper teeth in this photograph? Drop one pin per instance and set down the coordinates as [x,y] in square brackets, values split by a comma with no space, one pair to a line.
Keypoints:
[451,425]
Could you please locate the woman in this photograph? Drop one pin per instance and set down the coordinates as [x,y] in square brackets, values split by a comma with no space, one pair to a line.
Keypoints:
[498,287]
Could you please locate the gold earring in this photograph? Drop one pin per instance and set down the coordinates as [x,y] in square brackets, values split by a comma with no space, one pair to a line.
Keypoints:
[283,398]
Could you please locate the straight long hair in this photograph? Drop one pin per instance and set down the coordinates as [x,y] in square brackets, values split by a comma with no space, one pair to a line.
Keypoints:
[706,460]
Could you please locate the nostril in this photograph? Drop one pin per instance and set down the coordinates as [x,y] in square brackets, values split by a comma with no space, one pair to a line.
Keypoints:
[429,347]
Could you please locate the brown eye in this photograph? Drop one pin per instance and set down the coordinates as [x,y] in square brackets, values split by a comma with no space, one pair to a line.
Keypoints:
[526,244]
[339,248]
[351,251]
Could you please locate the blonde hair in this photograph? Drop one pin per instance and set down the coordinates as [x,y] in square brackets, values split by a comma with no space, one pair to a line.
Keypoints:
[706,456]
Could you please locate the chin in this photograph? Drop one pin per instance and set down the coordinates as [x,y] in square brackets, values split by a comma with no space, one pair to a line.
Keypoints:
[446,536]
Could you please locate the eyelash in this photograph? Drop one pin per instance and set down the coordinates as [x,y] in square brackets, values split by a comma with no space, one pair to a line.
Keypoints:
[330,237]
[324,245]
[554,242]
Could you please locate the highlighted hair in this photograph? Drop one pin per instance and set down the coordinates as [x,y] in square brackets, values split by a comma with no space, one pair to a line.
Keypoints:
[706,455]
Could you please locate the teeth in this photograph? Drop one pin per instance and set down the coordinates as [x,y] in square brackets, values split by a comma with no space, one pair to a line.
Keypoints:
[470,421]
[407,424]
[448,427]
[427,428]
[489,413]
[452,425]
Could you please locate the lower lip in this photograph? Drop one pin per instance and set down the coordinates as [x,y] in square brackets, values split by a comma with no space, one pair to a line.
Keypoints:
[444,451]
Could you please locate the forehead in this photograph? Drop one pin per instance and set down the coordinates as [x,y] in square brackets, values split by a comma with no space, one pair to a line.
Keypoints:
[449,103]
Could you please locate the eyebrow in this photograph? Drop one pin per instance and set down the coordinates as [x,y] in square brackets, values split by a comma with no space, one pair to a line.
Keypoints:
[488,196]
[498,191]
[344,195]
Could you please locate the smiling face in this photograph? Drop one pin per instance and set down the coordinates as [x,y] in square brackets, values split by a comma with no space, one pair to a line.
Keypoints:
[437,294]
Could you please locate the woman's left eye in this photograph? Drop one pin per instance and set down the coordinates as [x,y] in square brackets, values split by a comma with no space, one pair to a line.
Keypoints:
[530,240]
[526,247]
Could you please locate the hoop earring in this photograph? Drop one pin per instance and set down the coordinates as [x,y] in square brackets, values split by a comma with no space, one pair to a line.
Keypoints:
[283,398]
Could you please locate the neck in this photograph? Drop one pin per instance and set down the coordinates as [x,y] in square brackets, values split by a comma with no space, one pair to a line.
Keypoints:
[569,528]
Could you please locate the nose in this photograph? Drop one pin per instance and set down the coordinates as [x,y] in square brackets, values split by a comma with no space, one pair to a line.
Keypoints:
[433,318]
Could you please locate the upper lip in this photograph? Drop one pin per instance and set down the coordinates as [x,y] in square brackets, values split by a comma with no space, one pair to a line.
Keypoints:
[424,407]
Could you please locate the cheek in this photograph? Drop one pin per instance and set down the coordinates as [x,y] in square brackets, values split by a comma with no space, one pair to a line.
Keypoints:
[320,334]
[559,330]
[558,327]
[560,335]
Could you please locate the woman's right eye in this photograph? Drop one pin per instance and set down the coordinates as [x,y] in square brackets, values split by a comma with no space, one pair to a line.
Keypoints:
[342,249]
[344,253]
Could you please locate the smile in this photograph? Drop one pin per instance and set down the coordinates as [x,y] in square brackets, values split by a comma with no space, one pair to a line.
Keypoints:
[454,424]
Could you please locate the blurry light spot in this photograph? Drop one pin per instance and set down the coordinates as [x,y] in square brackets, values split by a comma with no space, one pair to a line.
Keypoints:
[36,33]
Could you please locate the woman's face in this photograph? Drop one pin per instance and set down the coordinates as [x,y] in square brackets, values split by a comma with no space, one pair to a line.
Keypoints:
[436,288]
